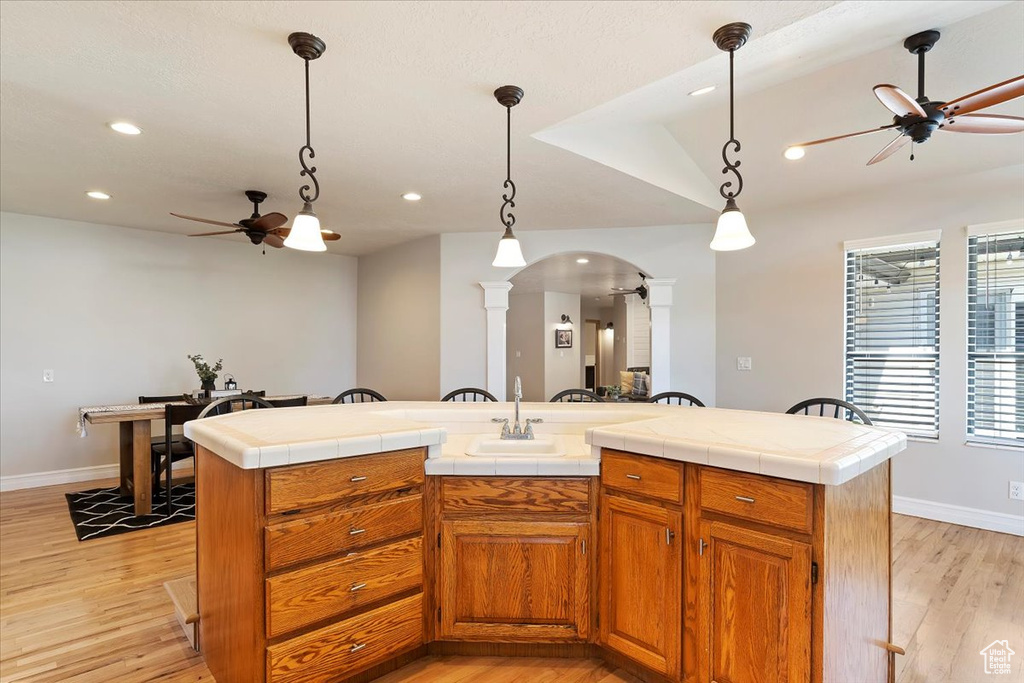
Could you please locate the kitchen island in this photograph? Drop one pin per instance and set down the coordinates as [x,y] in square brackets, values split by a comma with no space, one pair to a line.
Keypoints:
[684,544]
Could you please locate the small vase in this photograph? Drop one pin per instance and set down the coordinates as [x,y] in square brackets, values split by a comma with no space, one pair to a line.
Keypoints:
[208,385]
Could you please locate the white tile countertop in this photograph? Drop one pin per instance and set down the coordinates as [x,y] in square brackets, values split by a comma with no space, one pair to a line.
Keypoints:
[812,449]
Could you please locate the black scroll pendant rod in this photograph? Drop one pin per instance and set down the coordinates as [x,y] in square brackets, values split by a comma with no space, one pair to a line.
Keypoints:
[730,38]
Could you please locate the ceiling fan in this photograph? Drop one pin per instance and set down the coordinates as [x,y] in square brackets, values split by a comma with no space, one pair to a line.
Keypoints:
[916,119]
[259,229]
[641,289]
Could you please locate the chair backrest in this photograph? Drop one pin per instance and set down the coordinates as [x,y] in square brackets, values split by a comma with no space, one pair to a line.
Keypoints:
[676,398]
[231,404]
[261,394]
[162,399]
[470,395]
[359,395]
[177,415]
[289,402]
[842,410]
[576,396]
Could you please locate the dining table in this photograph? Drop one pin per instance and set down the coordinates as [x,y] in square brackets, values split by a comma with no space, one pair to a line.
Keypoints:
[135,424]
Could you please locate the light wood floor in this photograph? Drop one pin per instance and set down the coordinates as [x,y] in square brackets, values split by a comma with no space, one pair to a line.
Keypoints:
[97,612]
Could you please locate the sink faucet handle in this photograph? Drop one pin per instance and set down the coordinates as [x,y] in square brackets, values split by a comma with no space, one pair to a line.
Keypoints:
[500,419]
[504,425]
[534,420]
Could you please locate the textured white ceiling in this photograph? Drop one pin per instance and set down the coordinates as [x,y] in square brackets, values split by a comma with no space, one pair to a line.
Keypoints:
[561,273]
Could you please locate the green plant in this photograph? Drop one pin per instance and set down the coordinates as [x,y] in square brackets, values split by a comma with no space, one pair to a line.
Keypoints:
[203,369]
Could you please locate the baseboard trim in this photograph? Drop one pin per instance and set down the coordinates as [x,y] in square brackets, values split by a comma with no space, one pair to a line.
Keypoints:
[34,480]
[957,514]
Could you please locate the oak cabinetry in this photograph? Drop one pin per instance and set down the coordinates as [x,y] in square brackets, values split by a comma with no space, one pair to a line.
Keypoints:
[309,572]
[514,559]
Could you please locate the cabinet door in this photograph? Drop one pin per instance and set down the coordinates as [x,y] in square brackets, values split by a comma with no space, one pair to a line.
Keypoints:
[755,606]
[641,583]
[514,581]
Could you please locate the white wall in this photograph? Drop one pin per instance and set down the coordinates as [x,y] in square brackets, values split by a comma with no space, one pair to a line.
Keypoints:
[562,367]
[781,302]
[114,311]
[679,252]
[398,321]
[525,344]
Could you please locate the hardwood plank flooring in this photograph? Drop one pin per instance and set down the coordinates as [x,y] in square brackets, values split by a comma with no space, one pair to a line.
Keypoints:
[97,611]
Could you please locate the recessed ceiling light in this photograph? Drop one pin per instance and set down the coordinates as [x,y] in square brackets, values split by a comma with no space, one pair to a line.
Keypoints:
[125,128]
[412,197]
[794,153]
[582,260]
[702,91]
[96,194]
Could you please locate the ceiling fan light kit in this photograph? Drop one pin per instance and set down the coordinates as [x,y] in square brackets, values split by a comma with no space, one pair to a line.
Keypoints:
[731,232]
[305,233]
[509,254]
[915,119]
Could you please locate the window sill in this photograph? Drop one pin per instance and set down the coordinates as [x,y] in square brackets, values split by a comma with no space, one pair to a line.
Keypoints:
[994,446]
[922,439]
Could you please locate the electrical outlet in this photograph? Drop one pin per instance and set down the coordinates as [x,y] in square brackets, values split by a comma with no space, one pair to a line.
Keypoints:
[47,376]
[744,363]
[1017,490]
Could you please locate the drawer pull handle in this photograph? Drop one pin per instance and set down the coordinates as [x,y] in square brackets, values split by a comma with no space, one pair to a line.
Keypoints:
[358,647]
[353,532]
[744,499]
[633,476]
[358,479]
[357,586]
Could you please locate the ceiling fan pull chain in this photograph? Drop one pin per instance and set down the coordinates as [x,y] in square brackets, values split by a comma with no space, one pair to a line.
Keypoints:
[911,150]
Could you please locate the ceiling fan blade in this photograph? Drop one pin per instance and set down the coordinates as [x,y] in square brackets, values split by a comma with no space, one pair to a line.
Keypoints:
[889,149]
[274,240]
[328,235]
[223,232]
[848,135]
[205,220]
[269,222]
[897,101]
[987,97]
[991,124]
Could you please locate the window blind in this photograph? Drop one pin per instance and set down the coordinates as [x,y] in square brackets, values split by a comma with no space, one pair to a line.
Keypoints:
[995,338]
[892,335]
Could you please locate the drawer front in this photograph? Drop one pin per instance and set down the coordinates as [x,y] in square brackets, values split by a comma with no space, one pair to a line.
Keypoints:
[301,486]
[316,536]
[340,650]
[642,475]
[308,595]
[524,494]
[778,502]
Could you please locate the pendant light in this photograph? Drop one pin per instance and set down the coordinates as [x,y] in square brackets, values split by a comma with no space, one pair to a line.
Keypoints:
[510,254]
[305,232]
[731,233]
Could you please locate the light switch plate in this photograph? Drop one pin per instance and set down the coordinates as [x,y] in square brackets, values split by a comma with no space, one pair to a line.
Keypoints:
[744,363]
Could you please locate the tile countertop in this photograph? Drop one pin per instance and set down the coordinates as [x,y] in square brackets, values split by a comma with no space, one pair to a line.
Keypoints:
[811,449]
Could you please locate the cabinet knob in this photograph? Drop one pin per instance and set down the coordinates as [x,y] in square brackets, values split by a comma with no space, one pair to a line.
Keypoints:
[357,587]
[633,476]
[353,532]
[357,647]
[358,478]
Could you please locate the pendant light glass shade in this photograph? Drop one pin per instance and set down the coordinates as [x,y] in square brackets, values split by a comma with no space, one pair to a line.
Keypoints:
[731,233]
[510,254]
[305,234]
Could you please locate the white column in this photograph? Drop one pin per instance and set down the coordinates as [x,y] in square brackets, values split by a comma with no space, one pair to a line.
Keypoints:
[659,298]
[496,303]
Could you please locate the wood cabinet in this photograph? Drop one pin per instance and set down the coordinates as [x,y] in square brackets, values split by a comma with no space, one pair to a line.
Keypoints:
[754,606]
[641,582]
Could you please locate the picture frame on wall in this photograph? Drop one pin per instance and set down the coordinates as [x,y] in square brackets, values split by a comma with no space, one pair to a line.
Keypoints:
[563,339]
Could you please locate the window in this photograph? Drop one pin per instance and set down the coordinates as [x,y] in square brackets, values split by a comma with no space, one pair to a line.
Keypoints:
[892,334]
[995,338]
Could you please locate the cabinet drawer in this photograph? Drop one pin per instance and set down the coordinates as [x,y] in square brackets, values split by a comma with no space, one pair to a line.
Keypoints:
[305,596]
[643,475]
[778,502]
[339,650]
[523,494]
[309,538]
[302,486]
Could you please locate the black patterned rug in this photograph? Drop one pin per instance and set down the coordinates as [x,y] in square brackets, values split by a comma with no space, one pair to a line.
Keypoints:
[105,512]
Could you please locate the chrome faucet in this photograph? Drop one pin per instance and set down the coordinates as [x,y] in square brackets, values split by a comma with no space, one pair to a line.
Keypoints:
[517,432]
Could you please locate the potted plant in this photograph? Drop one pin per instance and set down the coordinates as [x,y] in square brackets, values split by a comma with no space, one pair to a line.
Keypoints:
[207,375]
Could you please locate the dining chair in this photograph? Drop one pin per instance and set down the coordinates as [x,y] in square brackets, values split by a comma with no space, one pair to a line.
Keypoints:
[842,410]
[232,404]
[576,396]
[676,398]
[159,438]
[469,395]
[289,402]
[163,457]
[359,395]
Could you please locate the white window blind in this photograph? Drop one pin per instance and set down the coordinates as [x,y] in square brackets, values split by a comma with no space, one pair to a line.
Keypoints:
[995,338]
[892,335]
